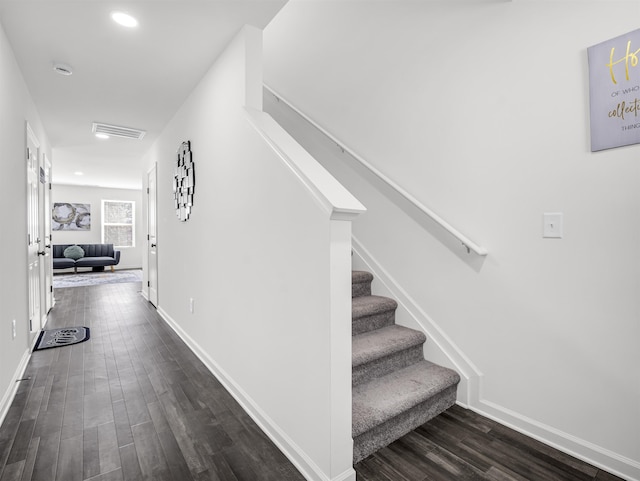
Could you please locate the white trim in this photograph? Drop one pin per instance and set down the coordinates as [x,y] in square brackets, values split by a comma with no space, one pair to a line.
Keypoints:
[326,190]
[593,454]
[289,448]
[32,136]
[10,393]
[46,318]
[469,387]
[121,224]
[466,242]
[348,475]
[340,390]
[146,197]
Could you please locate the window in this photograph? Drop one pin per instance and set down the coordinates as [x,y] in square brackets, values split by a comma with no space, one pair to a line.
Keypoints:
[118,223]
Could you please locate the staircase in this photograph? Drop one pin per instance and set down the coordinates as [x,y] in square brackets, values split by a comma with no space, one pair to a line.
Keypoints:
[395,389]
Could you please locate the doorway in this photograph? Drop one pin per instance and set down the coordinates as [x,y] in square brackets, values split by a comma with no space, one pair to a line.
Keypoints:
[46,267]
[152,240]
[34,250]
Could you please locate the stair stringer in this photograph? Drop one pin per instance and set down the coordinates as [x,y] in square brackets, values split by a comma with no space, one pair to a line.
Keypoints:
[439,348]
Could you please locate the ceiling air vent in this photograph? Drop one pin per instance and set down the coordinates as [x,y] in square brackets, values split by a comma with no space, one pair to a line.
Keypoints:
[118,131]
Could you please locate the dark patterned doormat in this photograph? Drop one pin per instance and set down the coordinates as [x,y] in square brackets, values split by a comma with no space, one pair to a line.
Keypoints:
[64,336]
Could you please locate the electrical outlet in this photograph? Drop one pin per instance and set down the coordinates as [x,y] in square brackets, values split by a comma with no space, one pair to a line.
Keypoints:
[13,329]
[552,225]
[191,305]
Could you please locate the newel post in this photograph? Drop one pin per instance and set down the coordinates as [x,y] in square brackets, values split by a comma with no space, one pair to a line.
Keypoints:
[340,295]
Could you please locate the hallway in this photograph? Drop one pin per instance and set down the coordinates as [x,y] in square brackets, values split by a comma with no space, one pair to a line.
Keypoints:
[132,403]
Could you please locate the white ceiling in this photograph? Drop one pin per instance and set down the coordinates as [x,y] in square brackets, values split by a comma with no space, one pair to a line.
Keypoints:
[130,77]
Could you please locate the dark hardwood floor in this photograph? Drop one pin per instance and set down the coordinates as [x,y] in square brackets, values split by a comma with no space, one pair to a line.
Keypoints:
[462,445]
[134,403]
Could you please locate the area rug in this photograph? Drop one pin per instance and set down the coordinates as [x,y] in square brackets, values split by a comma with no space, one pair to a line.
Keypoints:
[91,278]
[64,336]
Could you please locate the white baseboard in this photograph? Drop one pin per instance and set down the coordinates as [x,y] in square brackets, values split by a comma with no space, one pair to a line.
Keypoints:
[12,388]
[597,456]
[289,448]
[348,475]
[472,399]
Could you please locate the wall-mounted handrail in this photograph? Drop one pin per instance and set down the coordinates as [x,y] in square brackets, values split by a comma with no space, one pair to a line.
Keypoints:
[466,242]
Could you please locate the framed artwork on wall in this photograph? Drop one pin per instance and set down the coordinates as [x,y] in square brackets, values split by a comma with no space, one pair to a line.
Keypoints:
[71,216]
[614,92]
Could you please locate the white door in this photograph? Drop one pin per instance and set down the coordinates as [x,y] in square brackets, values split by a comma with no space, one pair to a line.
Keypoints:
[46,268]
[152,243]
[33,232]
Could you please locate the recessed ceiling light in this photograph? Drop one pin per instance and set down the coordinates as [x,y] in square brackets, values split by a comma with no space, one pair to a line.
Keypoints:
[102,136]
[124,19]
[62,69]
[78,173]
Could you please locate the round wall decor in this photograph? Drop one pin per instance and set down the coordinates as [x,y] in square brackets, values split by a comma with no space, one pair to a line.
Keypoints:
[184,182]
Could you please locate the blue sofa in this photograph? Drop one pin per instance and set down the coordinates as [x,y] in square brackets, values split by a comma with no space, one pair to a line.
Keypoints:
[96,256]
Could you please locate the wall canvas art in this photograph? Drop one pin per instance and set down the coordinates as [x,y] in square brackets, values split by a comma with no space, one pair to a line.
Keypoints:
[614,92]
[69,216]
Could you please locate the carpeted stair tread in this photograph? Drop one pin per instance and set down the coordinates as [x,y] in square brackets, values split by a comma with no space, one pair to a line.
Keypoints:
[394,389]
[361,283]
[359,277]
[370,305]
[384,434]
[384,398]
[380,343]
[371,312]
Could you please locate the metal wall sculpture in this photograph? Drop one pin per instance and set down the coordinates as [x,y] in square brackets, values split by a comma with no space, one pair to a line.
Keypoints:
[184,182]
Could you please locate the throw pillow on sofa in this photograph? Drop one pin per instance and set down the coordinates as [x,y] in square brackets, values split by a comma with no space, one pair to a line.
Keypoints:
[74,252]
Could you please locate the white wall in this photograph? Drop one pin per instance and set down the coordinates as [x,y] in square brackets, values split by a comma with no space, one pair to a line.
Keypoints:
[480,110]
[16,108]
[255,258]
[130,257]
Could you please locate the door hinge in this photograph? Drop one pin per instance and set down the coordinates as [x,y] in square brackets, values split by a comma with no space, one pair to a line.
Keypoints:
[148,237]
[148,283]
[30,325]
[50,288]
[148,190]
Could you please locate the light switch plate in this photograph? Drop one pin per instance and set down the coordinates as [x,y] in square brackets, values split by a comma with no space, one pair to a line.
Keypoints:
[552,225]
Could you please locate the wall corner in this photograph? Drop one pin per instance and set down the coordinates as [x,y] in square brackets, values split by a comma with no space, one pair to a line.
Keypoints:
[254,74]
